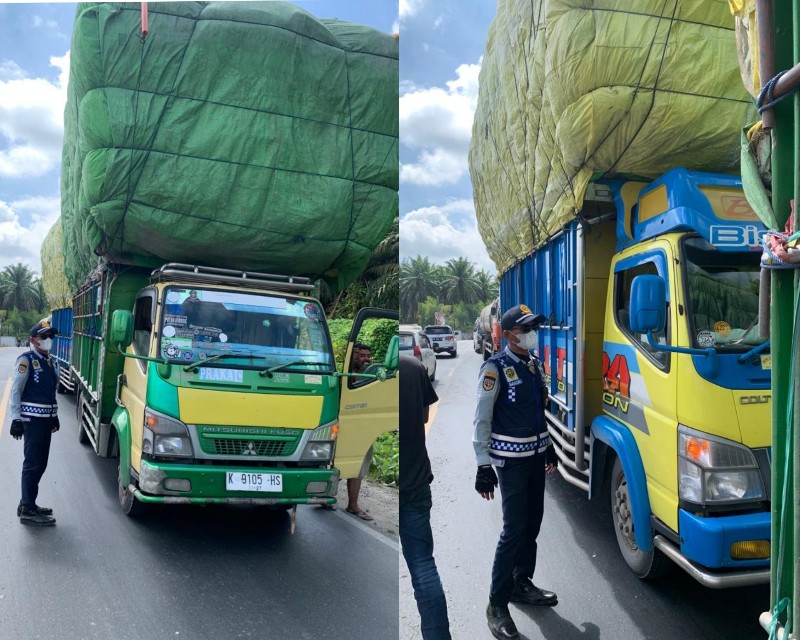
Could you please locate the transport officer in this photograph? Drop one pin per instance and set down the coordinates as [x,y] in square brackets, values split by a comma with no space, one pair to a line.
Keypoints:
[34,416]
[510,433]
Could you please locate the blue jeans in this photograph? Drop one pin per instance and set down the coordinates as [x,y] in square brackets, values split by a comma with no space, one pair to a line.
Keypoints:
[417,540]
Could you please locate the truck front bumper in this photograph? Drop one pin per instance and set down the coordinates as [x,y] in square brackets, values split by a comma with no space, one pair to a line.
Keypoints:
[705,549]
[208,485]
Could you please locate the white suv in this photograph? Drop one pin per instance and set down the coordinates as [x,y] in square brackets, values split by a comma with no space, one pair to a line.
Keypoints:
[442,338]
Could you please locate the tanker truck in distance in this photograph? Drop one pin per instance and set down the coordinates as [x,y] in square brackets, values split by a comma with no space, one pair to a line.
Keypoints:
[488,324]
[659,382]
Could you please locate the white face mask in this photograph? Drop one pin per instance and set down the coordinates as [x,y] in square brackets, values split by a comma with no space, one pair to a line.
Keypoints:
[45,344]
[527,341]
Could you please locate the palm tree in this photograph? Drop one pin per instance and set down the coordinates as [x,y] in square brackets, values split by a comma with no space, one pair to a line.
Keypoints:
[20,288]
[487,285]
[460,282]
[416,283]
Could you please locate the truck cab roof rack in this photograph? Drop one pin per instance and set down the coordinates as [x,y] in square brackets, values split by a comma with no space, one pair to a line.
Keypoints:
[178,272]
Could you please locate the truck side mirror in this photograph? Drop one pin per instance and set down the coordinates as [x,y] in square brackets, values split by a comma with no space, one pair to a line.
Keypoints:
[392,359]
[122,329]
[648,304]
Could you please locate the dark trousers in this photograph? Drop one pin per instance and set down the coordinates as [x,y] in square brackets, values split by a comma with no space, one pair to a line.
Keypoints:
[37,450]
[417,540]
[522,488]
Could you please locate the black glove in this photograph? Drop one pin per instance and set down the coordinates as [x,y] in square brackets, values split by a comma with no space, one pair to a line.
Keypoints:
[485,479]
[55,425]
[550,455]
[17,429]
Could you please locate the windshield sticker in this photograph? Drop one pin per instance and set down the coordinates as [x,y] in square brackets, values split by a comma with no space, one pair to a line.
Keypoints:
[171,350]
[169,331]
[177,321]
[221,375]
[722,328]
[311,311]
[766,362]
[187,355]
[313,379]
[281,377]
[706,339]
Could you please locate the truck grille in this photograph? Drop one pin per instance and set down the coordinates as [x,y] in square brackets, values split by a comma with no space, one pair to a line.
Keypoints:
[252,447]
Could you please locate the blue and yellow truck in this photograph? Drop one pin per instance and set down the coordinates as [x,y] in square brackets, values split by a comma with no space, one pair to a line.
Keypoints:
[659,378]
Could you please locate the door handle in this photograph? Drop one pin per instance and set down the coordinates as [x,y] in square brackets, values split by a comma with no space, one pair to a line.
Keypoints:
[121,380]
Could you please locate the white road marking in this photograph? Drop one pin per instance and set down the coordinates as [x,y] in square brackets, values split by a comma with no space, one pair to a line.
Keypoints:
[353,520]
[4,405]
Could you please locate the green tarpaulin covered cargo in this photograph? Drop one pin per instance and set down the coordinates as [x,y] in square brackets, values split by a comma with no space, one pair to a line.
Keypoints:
[244,135]
[574,89]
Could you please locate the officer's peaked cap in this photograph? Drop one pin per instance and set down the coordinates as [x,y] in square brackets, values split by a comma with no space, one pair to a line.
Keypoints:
[520,315]
[43,329]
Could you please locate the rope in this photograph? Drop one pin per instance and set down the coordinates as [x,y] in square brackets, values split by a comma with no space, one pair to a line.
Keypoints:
[767,91]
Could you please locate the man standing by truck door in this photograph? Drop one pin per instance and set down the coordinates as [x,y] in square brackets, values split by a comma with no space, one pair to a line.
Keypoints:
[34,415]
[510,433]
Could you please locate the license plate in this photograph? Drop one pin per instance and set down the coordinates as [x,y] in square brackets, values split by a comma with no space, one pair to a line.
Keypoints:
[242,481]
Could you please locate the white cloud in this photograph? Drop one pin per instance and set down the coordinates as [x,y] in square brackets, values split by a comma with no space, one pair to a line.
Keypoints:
[10,70]
[444,232]
[22,242]
[409,8]
[436,123]
[32,121]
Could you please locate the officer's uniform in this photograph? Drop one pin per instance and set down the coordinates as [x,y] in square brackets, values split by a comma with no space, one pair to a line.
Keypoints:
[33,400]
[510,433]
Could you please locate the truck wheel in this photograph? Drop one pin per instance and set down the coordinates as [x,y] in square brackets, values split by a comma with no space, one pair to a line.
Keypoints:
[433,375]
[130,505]
[83,438]
[646,565]
[485,349]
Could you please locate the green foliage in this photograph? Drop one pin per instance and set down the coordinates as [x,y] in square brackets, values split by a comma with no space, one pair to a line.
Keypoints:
[18,323]
[385,465]
[376,332]
[460,316]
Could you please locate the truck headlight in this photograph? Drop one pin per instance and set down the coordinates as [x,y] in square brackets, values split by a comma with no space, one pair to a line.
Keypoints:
[319,447]
[712,470]
[165,436]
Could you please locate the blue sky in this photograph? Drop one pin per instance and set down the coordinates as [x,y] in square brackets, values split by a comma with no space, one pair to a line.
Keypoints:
[441,45]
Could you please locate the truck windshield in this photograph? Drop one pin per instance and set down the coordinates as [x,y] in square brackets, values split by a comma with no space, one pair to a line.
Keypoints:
[263,330]
[722,296]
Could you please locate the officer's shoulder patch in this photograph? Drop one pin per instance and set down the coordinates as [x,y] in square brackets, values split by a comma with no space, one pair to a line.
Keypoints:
[22,365]
[489,380]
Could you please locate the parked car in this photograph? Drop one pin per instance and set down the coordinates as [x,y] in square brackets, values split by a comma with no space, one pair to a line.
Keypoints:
[414,342]
[442,339]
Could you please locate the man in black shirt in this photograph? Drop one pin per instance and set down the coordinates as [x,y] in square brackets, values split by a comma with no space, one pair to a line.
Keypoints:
[416,395]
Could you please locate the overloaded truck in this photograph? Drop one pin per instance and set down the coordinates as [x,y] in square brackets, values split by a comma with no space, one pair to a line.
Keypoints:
[606,193]
[670,416]
[205,191]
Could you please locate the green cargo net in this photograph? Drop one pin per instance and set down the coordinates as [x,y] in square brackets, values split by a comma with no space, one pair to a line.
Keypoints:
[244,135]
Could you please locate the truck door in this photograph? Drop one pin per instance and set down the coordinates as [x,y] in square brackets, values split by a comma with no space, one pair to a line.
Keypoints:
[368,407]
[133,393]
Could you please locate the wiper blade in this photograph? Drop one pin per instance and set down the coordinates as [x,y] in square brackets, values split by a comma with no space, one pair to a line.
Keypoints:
[219,356]
[280,367]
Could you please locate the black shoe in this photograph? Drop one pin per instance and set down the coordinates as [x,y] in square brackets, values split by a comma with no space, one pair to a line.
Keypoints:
[35,517]
[45,511]
[500,623]
[525,592]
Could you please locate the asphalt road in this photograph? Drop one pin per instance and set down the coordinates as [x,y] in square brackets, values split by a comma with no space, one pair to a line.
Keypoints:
[578,555]
[185,573]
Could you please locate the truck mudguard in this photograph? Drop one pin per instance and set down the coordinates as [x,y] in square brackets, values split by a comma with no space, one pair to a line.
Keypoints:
[618,437]
[122,423]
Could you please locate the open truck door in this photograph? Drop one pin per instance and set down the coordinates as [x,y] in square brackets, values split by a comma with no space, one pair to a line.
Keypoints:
[368,406]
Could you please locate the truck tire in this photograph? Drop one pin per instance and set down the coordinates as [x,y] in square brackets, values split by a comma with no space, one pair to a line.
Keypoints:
[83,437]
[647,565]
[130,505]
[433,375]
